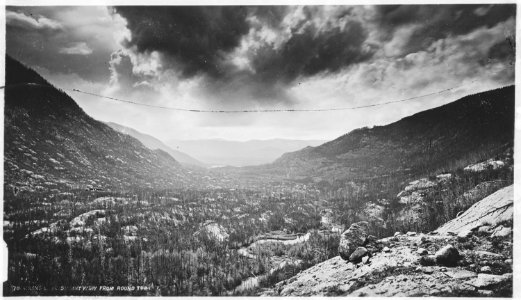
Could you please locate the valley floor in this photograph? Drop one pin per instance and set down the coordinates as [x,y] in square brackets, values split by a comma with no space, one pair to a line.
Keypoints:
[276,239]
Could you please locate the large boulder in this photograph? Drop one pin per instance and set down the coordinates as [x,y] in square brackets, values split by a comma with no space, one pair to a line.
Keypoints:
[354,237]
[357,255]
[429,260]
[447,256]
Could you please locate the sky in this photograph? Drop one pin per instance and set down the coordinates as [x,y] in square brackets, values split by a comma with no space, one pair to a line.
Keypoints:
[264,57]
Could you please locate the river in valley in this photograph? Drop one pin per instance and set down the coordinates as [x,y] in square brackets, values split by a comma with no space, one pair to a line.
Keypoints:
[252,282]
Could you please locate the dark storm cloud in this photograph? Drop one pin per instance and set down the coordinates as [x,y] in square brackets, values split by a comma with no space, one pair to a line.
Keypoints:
[504,50]
[127,82]
[309,52]
[196,37]
[312,49]
[260,51]
[505,53]
[270,15]
[440,21]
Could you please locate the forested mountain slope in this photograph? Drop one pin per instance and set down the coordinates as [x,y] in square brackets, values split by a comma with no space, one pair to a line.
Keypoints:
[446,137]
[51,143]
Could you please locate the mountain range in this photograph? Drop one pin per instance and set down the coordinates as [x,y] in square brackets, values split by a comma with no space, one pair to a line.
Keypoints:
[51,141]
[219,152]
[154,143]
[52,144]
[447,137]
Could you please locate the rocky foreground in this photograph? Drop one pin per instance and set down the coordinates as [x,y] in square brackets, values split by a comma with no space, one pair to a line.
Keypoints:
[469,256]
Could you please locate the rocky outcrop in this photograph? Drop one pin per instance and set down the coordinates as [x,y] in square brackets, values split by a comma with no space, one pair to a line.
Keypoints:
[355,236]
[213,230]
[494,209]
[420,184]
[420,197]
[482,166]
[338,277]
[477,264]
[413,193]
[412,197]
[373,213]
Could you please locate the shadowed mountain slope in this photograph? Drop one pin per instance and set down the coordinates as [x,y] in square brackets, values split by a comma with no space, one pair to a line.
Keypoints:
[448,136]
[51,143]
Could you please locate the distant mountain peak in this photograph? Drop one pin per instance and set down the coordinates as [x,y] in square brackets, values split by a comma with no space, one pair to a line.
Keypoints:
[154,143]
[219,152]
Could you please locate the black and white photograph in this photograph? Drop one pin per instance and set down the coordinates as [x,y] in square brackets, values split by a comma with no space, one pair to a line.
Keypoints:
[259,149]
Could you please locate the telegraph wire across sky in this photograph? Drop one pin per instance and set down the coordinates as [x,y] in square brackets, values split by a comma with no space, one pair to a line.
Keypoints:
[244,110]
